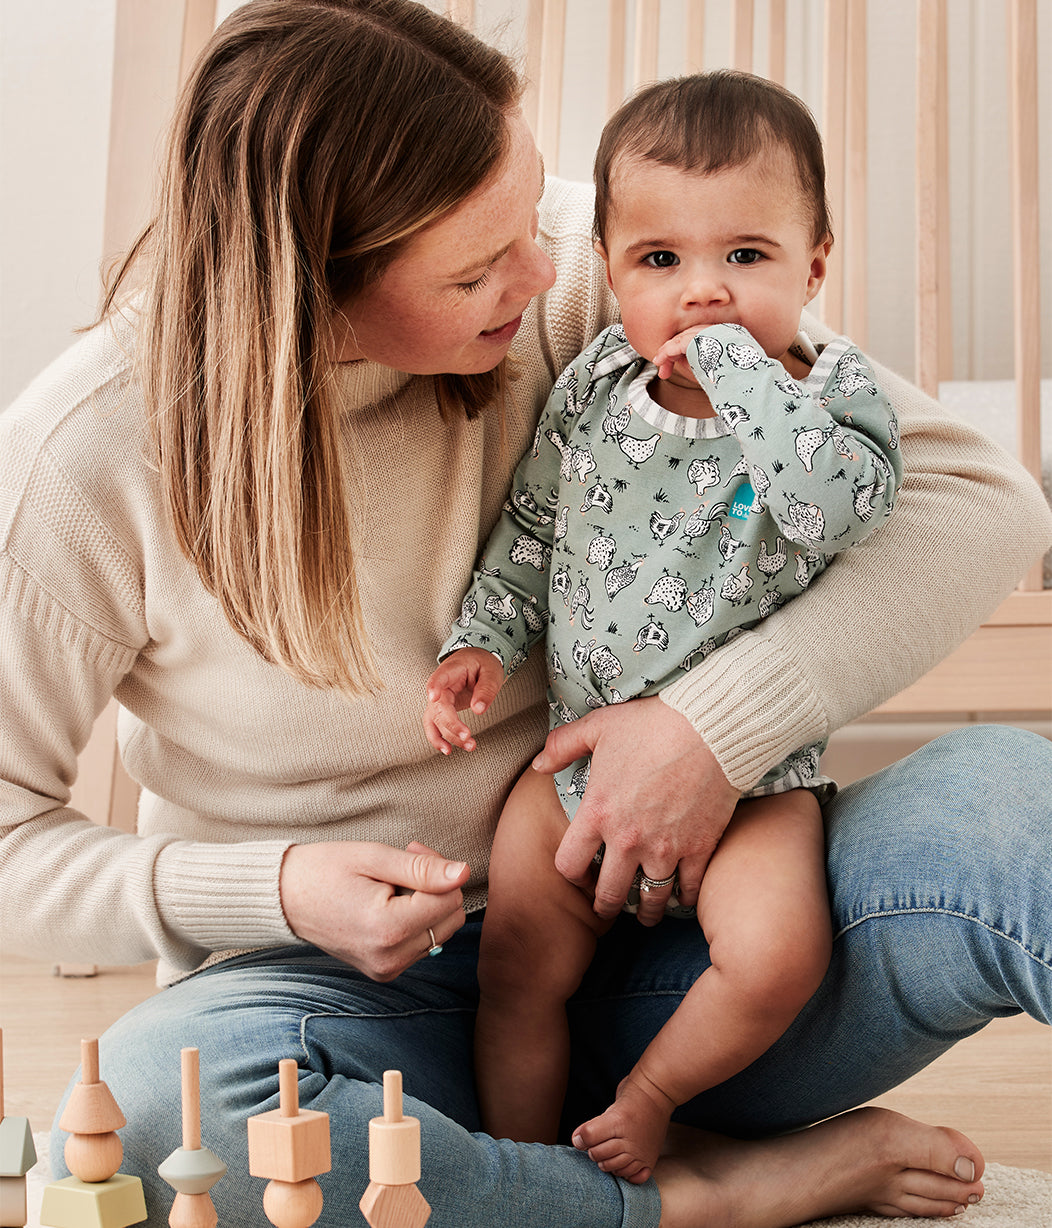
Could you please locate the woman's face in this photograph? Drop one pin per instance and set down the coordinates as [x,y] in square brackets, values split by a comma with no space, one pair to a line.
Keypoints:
[452,302]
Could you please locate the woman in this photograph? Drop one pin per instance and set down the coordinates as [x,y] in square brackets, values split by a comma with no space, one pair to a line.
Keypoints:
[246,505]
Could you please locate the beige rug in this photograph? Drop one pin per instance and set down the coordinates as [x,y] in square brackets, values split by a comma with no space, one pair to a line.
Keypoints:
[1015,1198]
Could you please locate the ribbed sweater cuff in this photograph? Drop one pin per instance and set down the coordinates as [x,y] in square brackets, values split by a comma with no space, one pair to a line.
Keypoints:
[750,706]
[222,896]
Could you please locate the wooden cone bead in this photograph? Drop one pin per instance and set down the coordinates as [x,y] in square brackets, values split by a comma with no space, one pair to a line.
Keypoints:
[290,1146]
[93,1150]
[96,1196]
[392,1199]
[191,1170]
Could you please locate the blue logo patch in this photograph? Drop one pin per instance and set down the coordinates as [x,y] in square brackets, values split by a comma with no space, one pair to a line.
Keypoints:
[744,498]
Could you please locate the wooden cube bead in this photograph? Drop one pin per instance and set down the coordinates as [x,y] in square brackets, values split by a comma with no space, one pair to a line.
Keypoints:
[289,1143]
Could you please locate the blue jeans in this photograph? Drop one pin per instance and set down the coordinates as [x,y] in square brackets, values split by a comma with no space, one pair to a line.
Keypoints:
[941,886]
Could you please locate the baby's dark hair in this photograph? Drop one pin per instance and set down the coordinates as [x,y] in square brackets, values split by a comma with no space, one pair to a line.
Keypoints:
[711,122]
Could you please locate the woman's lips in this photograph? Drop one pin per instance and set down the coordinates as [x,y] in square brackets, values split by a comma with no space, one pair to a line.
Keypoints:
[505,333]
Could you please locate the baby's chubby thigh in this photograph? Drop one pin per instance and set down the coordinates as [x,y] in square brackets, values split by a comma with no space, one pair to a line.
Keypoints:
[540,930]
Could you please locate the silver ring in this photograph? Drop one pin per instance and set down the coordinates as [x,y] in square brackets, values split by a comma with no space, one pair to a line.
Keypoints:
[646,883]
[436,947]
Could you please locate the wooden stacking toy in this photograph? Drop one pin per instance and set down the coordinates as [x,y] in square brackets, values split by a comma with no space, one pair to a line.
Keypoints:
[290,1147]
[17,1157]
[392,1199]
[97,1195]
[191,1170]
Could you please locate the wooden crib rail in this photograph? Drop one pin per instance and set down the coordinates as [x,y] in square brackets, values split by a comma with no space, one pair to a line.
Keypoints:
[1006,666]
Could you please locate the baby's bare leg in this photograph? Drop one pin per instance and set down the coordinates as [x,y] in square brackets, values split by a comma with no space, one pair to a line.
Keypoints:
[538,938]
[765,912]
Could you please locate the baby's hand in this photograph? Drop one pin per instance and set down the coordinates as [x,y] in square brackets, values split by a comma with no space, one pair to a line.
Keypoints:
[674,350]
[467,678]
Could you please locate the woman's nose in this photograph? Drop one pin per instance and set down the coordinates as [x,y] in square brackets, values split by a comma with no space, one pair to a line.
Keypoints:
[536,271]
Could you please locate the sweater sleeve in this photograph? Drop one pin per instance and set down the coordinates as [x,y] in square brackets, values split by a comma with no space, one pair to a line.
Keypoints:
[968,523]
[72,625]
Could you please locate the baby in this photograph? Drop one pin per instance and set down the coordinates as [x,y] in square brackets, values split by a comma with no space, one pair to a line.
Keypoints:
[692,470]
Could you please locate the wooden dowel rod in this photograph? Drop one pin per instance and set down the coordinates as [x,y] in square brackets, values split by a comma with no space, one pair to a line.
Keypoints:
[191,1071]
[288,1087]
[89,1061]
[392,1095]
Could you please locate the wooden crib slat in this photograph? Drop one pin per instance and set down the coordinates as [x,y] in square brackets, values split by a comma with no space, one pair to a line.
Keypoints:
[645,63]
[1023,85]
[694,37]
[932,228]
[546,39]
[776,41]
[853,247]
[834,135]
[616,56]
[741,35]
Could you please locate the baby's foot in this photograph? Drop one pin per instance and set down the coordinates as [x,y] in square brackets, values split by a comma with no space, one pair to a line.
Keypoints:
[626,1139]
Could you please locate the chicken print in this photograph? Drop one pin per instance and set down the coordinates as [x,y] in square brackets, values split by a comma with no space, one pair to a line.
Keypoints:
[605,664]
[651,635]
[710,351]
[704,474]
[638,451]
[601,550]
[852,375]
[772,564]
[702,605]
[621,577]
[501,609]
[669,591]
[745,356]
[664,526]
[700,521]
[735,588]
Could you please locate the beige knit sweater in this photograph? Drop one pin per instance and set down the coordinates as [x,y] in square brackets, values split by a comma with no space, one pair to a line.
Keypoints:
[237,761]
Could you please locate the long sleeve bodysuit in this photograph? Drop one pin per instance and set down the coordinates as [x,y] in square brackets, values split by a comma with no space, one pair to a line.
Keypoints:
[638,541]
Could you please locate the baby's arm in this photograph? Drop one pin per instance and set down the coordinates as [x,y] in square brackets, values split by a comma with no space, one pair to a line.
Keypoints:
[826,468]
[467,678]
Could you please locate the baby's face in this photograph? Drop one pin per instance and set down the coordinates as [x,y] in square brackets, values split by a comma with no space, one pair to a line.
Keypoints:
[687,250]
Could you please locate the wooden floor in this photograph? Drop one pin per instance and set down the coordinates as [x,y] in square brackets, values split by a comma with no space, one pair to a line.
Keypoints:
[996,1086]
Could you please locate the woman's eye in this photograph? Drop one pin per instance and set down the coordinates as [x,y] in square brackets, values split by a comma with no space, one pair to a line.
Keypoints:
[661,260]
[745,255]
[473,287]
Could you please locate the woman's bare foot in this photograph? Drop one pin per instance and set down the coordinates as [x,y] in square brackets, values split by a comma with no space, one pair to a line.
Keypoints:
[870,1160]
[627,1138]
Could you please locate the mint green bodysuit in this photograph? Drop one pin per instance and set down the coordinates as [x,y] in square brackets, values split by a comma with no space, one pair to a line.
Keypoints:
[637,541]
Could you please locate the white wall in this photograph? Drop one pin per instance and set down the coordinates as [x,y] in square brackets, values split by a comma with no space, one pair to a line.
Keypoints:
[56,85]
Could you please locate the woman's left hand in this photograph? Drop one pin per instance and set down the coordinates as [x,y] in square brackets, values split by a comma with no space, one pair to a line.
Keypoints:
[656,797]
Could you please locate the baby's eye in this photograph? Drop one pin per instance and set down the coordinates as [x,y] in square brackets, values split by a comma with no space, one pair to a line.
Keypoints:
[661,260]
[745,255]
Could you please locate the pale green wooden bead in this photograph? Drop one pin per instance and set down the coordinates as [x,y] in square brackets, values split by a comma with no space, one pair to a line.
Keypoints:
[192,1172]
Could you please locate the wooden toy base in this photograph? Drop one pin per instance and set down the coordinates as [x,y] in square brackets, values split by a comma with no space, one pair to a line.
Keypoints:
[72,1203]
[13,1213]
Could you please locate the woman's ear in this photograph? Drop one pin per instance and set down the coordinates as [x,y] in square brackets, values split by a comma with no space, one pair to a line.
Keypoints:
[819,266]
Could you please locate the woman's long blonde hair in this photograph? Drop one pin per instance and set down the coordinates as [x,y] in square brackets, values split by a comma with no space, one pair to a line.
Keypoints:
[313,138]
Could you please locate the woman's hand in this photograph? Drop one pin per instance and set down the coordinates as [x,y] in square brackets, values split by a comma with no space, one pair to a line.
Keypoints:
[371,905]
[467,678]
[656,797]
